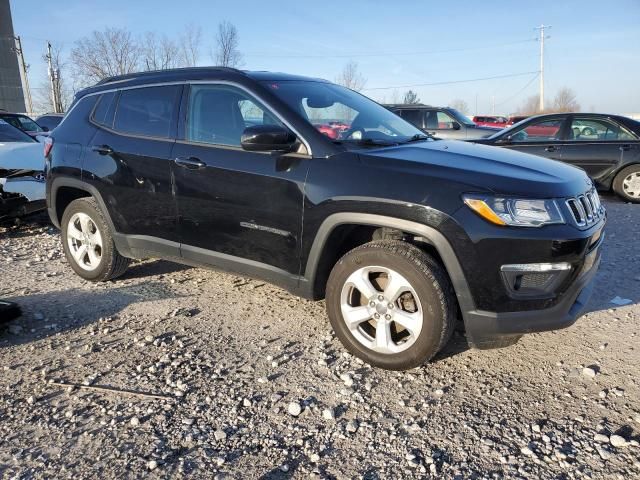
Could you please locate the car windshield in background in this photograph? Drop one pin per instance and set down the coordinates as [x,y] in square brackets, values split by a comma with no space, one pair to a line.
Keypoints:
[49,121]
[344,115]
[22,122]
[460,118]
[9,134]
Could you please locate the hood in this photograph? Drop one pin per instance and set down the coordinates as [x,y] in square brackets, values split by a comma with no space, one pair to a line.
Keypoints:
[485,168]
[21,156]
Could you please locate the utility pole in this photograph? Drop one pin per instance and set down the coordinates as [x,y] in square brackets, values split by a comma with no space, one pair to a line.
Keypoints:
[23,73]
[542,37]
[53,81]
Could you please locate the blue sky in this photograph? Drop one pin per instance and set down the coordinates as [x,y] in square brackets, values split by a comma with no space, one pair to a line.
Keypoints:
[594,46]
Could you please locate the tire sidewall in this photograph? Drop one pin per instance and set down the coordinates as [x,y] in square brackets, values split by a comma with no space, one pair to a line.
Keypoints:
[87,207]
[430,295]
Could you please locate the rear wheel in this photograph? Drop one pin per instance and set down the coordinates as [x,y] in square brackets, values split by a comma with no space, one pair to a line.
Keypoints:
[391,304]
[627,183]
[88,242]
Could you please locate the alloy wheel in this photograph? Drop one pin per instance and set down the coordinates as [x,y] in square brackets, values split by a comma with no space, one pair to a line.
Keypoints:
[84,241]
[381,309]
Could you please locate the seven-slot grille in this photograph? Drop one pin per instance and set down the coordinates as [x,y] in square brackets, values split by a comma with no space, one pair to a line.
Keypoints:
[586,209]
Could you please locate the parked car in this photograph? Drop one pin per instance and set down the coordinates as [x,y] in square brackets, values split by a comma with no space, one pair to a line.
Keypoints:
[441,122]
[22,186]
[397,231]
[23,122]
[49,121]
[607,147]
[516,119]
[490,121]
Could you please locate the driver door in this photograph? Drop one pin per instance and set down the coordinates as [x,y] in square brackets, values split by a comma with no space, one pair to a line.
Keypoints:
[235,205]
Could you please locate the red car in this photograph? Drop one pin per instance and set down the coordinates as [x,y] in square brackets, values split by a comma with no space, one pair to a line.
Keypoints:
[490,121]
[327,130]
[516,119]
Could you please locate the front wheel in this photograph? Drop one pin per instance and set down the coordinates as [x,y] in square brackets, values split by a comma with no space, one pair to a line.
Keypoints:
[627,183]
[391,304]
[87,242]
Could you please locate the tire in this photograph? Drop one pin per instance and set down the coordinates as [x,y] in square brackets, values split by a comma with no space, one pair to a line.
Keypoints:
[421,319]
[627,183]
[84,225]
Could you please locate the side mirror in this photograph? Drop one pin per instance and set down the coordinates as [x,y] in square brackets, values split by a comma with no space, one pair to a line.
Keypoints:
[267,138]
[455,126]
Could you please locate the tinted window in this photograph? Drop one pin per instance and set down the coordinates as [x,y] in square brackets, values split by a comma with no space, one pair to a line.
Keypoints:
[591,129]
[219,114]
[538,131]
[147,111]
[105,108]
[9,133]
[412,116]
[22,122]
[49,121]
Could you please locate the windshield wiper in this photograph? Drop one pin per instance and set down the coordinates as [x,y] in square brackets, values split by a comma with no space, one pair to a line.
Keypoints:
[418,137]
[376,142]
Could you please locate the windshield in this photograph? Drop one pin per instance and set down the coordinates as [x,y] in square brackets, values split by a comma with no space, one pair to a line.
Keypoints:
[22,122]
[459,117]
[344,115]
[12,134]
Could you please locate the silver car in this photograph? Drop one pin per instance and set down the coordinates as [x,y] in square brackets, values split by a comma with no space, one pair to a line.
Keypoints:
[442,122]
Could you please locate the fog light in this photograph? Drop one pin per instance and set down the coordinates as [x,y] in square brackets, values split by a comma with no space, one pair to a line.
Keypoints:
[534,280]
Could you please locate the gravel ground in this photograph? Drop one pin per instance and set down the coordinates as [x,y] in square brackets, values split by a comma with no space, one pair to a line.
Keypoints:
[174,371]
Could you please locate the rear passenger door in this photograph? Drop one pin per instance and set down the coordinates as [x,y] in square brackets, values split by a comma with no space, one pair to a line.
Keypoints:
[236,208]
[129,159]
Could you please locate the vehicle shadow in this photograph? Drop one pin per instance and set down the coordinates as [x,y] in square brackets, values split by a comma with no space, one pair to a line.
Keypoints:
[146,268]
[48,314]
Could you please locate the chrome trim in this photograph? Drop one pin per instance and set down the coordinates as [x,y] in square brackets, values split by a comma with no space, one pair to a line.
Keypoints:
[536,267]
[585,208]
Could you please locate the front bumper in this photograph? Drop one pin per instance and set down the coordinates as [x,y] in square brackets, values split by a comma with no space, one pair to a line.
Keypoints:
[487,330]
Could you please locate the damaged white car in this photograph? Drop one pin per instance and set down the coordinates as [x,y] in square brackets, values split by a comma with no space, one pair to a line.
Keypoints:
[22,182]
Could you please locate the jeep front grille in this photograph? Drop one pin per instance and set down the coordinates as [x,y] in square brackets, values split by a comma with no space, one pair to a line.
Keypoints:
[586,209]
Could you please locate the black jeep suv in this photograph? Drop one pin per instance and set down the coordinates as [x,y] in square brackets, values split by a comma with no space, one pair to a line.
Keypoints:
[402,234]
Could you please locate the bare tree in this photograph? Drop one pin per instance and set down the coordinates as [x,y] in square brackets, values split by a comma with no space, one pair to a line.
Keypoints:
[190,43]
[159,52]
[565,101]
[43,101]
[351,78]
[410,98]
[530,106]
[227,53]
[112,51]
[460,105]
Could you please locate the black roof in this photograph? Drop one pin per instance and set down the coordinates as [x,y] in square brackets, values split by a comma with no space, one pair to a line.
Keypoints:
[191,73]
[408,105]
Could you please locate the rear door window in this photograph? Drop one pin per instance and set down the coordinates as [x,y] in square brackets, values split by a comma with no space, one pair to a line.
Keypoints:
[413,116]
[598,129]
[147,111]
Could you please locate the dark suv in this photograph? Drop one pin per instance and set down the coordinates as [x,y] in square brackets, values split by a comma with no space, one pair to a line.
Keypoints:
[400,233]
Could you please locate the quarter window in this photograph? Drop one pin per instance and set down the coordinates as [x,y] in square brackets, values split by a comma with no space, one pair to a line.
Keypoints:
[104,110]
[218,114]
[592,129]
[413,116]
[147,111]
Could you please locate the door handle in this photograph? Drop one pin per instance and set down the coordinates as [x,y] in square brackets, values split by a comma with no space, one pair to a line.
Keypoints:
[625,148]
[192,163]
[552,148]
[102,149]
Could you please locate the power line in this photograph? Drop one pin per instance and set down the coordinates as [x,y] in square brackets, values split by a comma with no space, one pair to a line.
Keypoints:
[533,79]
[384,54]
[450,82]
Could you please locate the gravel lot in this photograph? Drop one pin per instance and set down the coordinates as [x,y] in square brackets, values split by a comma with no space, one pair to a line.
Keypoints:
[188,372]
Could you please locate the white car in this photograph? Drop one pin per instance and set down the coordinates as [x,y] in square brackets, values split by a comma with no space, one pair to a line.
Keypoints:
[22,185]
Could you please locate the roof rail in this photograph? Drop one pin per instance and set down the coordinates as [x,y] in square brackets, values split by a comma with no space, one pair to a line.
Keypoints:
[134,75]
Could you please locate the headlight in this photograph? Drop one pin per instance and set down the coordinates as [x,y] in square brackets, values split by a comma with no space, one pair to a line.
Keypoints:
[516,212]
